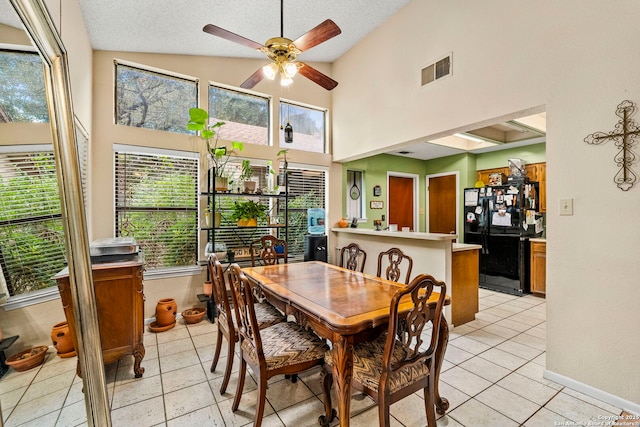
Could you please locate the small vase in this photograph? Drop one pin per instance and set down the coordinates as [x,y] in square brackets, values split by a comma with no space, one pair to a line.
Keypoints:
[61,338]
[217,219]
[166,310]
[207,288]
[222,183]
[207,219]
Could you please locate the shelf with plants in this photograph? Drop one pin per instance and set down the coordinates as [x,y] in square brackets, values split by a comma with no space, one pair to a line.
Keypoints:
[235,228]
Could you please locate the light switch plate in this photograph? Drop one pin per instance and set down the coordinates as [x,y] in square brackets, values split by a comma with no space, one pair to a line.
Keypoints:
[566,206]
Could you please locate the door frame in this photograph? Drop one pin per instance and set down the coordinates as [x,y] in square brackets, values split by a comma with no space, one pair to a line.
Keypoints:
[416,208]
[426,216]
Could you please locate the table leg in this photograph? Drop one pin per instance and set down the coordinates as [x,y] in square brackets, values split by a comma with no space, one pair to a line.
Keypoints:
[442,404]
[342,372]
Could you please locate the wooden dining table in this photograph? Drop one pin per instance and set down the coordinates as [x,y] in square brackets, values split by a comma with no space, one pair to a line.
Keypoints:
[343,306]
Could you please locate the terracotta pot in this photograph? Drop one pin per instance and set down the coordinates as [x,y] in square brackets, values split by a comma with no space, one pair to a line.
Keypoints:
[207,288]
[27,359]
[166,310]
[193,315]
[61,338]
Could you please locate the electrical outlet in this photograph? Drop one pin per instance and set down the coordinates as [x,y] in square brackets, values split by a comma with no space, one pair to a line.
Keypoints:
[566,206]
[383,218]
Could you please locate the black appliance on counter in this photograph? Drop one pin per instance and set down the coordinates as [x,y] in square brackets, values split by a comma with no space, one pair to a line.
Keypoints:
[315,247]
[502,219]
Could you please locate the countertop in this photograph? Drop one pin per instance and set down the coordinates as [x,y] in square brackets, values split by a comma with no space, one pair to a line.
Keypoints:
[459,247]
[538,239]
[399,234]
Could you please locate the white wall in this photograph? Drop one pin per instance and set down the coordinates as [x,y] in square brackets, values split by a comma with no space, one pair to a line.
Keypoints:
[580,59]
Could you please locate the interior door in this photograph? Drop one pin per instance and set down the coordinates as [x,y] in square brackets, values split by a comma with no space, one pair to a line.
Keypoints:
[442,204]
[401,198]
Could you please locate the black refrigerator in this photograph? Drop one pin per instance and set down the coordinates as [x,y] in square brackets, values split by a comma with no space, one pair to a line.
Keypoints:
[502,219]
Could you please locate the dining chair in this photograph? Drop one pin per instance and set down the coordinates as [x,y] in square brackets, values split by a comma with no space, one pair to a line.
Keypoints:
[284,348]
[392,259]
[396,364]
[268,249]
[267,316]
[352,257]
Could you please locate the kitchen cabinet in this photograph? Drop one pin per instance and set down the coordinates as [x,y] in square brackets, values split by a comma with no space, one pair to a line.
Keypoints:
[120,305]
[538,267]
[535,172]
[465,279]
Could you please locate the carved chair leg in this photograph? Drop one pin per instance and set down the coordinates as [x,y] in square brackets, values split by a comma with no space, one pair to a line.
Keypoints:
[217,353]
[262,397]
[240,387]
[227,371]
[326,379]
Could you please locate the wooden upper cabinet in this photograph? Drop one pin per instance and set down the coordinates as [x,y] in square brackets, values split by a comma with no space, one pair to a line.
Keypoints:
[535,171]
[483,175]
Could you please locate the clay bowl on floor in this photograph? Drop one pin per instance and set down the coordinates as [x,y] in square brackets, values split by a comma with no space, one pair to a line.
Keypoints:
[28,359]
[193,315]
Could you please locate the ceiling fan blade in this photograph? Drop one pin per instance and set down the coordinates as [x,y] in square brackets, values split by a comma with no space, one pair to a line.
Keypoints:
[317,77]
[317,35]
[253,79]
[228,35]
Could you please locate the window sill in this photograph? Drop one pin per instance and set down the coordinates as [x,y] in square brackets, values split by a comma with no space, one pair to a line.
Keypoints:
[32,298]
[164,273]
[50,294]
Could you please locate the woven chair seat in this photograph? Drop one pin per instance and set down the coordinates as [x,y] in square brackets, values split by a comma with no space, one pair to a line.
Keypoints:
[287,344]
[367,365]
[267,315]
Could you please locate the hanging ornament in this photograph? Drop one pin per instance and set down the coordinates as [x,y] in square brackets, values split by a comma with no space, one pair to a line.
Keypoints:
[288,133]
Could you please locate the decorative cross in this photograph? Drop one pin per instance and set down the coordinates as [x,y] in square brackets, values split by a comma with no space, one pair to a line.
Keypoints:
[624,136]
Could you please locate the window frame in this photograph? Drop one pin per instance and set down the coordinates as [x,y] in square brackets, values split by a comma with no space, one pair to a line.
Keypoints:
[171,271]
[325,127]
[152,70]
[267,98]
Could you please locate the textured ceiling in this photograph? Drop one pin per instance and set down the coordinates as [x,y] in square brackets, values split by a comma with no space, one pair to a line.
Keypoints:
[175,26]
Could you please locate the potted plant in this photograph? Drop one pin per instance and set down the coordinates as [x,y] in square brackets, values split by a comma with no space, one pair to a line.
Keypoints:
[199,121]
[247,173]
[248,213]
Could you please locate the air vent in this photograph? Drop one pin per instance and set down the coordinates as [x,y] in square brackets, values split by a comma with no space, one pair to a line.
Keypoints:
[437,70]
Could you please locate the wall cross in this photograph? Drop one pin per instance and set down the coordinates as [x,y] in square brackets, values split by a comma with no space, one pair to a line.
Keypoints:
[624,137]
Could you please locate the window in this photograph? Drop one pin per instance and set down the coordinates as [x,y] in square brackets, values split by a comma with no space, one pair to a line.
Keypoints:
[153,100]
[308,124]
[307,189]
[355,195]
[246,116]
[156,204]
[22,93]
[32,245]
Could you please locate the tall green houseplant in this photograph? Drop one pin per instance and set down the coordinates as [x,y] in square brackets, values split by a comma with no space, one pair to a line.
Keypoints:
[220,154]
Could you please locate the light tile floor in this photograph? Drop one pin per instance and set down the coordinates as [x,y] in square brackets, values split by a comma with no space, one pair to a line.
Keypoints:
[492,376]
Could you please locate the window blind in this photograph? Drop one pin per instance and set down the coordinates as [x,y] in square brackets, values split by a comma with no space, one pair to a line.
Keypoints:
[32,248]
[307,189]
[156,203]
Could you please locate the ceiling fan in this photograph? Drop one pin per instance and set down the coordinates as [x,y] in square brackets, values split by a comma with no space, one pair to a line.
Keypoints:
[283,53]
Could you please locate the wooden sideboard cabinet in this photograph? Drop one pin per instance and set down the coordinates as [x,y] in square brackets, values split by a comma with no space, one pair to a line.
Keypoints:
[120,304]
[538,267]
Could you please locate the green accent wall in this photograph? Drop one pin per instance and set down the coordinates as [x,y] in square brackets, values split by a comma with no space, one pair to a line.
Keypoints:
[375,170]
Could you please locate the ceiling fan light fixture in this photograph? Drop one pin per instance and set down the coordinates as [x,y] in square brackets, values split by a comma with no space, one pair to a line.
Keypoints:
[270,70]
[285,81]
[290,69]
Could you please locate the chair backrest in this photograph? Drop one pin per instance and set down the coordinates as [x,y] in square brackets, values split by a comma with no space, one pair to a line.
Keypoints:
[247,323]
[352,257]
[269,249]
[393,258]
[407,330]
[216,272]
